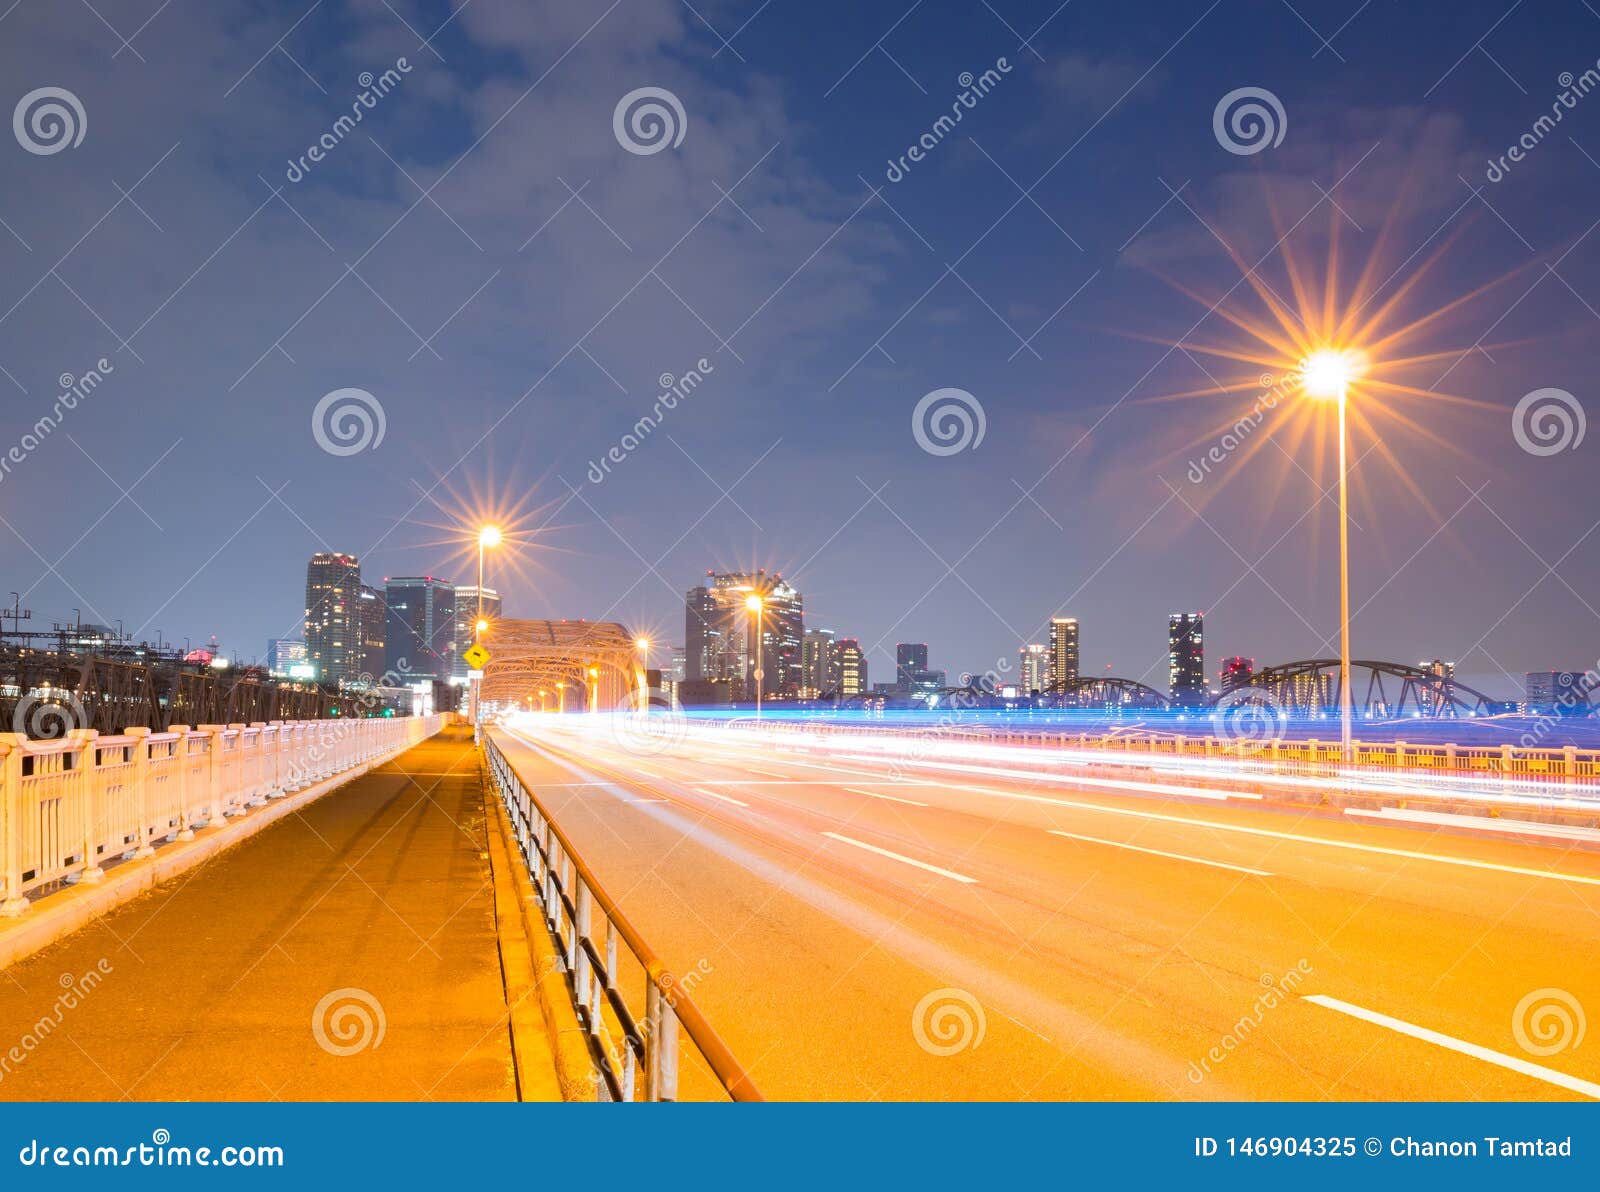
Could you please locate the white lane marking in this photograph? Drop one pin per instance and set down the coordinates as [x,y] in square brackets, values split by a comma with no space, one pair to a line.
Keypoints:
[1155,852]
[1537,1071]
[1212,826]
[644,800]
[1475,823]
[725,798]
[883,852]
[855,790]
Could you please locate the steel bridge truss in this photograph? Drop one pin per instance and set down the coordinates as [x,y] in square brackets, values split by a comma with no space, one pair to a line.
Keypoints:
[597,658]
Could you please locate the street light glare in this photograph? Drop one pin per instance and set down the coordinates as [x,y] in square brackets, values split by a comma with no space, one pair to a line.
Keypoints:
[753,602]
[489,536]
[642,643]
[1328,373]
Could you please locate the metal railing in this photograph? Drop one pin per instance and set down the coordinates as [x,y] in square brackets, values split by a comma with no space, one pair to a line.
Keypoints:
[67,806]
[1485,770]
[586,926]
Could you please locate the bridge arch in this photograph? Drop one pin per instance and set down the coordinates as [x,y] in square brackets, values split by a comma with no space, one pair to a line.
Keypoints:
[583,657]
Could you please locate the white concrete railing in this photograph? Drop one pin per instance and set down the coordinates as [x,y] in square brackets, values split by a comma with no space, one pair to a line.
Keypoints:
[67,806]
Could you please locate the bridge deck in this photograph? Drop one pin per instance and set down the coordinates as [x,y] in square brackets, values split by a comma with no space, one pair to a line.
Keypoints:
[209,984]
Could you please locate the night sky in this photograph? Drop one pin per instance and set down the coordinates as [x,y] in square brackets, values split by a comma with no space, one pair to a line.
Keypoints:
[484,257]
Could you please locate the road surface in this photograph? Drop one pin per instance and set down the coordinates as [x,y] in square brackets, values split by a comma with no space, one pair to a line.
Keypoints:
[859,928]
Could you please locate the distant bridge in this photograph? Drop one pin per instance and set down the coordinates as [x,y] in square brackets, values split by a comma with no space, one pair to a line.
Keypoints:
[556,663]
[48,693]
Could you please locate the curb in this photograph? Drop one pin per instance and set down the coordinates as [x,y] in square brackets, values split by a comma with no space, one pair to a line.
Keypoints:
[58,915]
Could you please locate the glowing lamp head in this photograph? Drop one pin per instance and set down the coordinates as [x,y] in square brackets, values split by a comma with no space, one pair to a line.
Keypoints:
[483,626]
[489,536]
[642,643]
[594,672]
[1327,373]
[753,602]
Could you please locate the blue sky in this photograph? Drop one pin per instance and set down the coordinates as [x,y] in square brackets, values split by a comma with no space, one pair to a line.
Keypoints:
[483,257]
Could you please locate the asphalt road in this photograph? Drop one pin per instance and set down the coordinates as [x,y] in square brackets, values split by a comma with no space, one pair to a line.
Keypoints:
[858,928]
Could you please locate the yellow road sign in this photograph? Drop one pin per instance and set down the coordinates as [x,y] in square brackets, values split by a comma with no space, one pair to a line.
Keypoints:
[476,656]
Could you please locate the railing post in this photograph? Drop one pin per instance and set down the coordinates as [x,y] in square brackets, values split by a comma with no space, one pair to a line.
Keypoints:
[275,780]
[12,903]
[185,825]
[1569,761]
[582,969]
[141,792]
[661,1047]
[253,783]
[216,815]
[86,778]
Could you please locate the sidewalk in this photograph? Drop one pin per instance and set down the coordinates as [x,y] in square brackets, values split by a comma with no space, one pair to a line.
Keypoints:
[347,952]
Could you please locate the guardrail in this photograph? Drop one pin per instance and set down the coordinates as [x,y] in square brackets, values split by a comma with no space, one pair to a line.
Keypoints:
[586,925]
[68,805]
[1509,770]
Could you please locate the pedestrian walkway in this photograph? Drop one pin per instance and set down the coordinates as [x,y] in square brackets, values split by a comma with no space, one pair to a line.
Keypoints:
[347,952]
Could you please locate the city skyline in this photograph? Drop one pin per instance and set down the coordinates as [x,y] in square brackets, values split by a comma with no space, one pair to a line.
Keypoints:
[1081,482]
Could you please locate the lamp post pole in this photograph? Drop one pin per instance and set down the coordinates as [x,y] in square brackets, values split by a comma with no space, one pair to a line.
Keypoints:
[1346,695]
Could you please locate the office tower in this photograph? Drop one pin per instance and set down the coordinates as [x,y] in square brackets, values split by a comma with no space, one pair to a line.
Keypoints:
[852,667]
[420,630]
[1033,668]
[1304,693]
[1236,671]
[910,658]
[819,664]
[1437,699]
[372,618]
[1186,659]
[467,620]
[333,631]
[922,683]
[284,655]
[719,633]
[1564,693]
[1063,650]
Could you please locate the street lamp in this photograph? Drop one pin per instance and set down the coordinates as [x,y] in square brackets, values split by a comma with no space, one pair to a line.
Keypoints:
[1326,376]
[488,538]
[755,604]
[561,696]
[594,689]
[642,644]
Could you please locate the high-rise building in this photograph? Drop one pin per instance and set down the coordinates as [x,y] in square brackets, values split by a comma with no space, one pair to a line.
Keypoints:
[852,667]
[1063,649]
[1562,693]
[719,633]
[1033,668]
[333,629]
[420,630]
[1303,693]
[910,658]
[284,654]
[467,621]
[372,617]
[1437,700]
[819,664]
[1186,659]
[1236,671]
